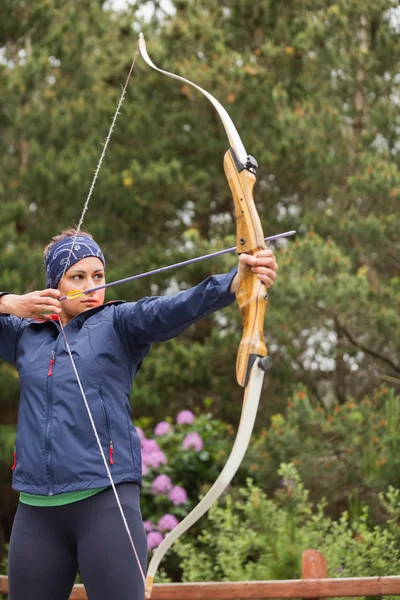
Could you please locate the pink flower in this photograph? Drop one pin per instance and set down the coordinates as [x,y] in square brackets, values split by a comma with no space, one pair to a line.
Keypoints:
[154,459]
[167,523]
[148,526]
[193,440]
[161,485]
[162,428]
[152,455]
[140,433]
[185,417]
[150,445]
[154,539]
[145,469]
[177,495]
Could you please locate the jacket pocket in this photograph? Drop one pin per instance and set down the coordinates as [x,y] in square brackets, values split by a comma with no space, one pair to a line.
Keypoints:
[108,427]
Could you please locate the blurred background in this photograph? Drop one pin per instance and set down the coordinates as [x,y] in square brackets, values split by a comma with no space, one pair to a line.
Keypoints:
[313,87]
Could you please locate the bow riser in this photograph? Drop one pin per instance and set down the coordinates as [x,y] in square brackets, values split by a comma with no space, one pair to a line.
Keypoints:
[249,236]
[252,299]
[252,294]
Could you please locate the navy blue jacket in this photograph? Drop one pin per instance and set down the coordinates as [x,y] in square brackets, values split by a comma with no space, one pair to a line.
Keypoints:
[56,450]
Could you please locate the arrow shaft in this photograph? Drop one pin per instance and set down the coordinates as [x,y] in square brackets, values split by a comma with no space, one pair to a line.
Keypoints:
[174,266]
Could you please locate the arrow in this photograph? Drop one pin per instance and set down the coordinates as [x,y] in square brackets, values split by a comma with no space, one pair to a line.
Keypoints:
[78,293]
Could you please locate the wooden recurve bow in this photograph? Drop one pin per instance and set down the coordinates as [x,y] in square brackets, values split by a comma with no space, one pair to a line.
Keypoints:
[252,359]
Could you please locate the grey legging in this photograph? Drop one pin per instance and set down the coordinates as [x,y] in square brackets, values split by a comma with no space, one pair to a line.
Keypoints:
[49,544]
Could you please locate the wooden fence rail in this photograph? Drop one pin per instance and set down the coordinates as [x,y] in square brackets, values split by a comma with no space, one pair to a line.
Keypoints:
[314,584]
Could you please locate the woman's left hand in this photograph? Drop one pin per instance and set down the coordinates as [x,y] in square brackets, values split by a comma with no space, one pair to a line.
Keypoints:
[263,264]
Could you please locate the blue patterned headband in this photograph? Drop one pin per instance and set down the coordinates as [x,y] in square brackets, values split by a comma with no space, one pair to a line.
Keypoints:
[60,253]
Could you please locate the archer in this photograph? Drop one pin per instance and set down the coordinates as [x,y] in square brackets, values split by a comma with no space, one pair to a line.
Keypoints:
[67,518]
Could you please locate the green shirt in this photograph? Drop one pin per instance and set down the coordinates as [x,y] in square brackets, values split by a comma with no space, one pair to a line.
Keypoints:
[58,499]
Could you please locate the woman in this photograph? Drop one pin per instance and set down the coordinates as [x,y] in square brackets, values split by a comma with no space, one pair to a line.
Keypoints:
[68,517]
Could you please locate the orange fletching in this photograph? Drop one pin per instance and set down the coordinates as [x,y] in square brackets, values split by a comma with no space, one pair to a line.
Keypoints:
[74,294]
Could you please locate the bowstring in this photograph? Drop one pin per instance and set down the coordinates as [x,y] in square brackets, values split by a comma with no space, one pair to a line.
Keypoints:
[84,210]
[121,510]
[96,173]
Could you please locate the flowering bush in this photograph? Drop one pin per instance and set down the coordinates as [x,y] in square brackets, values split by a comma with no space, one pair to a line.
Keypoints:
[162,484]
[193,440]
[178,495]
[185,417]
[162,428]
[178,466]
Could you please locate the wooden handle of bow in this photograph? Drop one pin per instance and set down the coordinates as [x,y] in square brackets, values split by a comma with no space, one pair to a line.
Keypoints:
[252,294]
[249,232]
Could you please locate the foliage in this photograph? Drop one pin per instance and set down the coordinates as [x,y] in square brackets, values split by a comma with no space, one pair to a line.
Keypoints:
[323,127]
[7,436]
[254,537]
[4,562]
[348,453]
[313,89]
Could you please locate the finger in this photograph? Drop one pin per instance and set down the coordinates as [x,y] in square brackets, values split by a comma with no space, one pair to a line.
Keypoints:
[267,263]
[261,258]
[267,281]
[47,302]
[47,309]
[50,306]
[247,259]
[265,252]
[50,292]
[265,272]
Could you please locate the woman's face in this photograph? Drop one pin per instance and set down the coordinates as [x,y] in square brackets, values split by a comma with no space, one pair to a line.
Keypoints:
[83,275]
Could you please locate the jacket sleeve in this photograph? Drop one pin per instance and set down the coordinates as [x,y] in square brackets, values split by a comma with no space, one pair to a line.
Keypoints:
[159,318]
[10,329]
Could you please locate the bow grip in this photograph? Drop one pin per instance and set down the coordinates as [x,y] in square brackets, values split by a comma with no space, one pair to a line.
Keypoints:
[249,233]
[252,299]
[252,294]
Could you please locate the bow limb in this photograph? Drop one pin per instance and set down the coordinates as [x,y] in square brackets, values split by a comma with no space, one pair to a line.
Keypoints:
[233,136]
[247,419]
[252,361]
[240,171]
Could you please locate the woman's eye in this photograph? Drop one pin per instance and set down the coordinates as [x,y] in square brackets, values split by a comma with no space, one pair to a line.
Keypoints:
[99,276]
[77,277]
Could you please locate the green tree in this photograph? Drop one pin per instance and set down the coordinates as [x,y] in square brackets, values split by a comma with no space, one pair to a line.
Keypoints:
[313,89]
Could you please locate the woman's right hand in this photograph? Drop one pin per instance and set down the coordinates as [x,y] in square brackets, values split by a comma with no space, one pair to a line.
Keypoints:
[35,305]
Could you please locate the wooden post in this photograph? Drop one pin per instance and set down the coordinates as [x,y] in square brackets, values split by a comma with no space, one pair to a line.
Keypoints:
[313,566]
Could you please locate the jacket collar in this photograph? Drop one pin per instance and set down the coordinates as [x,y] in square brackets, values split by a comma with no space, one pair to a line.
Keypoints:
[79,319]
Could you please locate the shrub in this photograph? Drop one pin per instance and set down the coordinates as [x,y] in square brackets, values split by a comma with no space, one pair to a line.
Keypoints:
[257,537]
[348,453]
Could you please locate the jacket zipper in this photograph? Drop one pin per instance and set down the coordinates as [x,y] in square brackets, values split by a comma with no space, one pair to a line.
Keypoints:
[50,371]
[111,452]
[15,459]
[110,442]
[49,416]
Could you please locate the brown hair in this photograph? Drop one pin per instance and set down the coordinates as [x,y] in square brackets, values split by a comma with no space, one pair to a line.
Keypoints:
[63,235]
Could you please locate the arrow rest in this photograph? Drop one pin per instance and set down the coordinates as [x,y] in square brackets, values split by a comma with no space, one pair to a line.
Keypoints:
[251,164]
[265,363]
